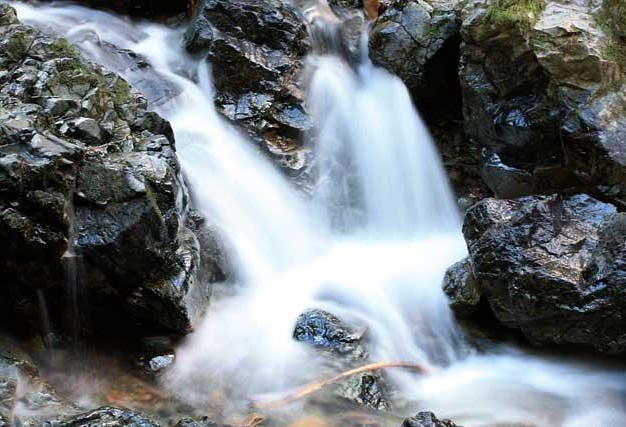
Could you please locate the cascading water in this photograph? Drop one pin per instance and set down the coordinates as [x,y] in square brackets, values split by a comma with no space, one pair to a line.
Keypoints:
[386,231]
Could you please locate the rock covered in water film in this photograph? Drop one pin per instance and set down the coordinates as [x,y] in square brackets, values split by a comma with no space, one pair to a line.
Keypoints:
[460,286]
[427,419]
[325,331]
[91,196]
[368,389]
[553,267]
[105,416]
[256,48]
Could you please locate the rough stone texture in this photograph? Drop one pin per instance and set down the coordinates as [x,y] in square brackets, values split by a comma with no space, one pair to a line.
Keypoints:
[105,416]
[546,101]
[325,331]
[21,385]
[408,36]
[460,286]
[553,267]
[256,48]
[90,194]
[367,389]
[427,419]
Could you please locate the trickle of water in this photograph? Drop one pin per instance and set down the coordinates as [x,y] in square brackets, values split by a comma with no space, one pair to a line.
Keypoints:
[72,263]
[385,231]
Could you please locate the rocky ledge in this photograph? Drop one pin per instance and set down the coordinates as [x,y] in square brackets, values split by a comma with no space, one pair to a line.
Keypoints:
[90,191]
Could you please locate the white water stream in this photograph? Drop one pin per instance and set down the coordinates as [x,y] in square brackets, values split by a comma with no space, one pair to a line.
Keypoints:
[371,246]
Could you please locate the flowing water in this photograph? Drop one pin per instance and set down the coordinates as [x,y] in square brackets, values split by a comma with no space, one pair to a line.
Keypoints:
[370,246]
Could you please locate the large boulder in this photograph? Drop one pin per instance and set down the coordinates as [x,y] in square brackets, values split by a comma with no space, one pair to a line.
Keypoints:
[544,95]
[92,203]
[256,49]
[553,267]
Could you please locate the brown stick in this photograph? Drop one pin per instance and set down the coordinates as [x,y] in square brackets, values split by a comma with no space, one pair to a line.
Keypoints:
[309,389]
[371,8]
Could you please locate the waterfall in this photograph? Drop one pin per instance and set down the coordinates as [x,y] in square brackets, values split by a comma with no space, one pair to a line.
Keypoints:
[371,246]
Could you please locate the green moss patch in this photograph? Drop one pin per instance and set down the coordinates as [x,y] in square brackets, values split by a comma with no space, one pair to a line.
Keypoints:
[523,13]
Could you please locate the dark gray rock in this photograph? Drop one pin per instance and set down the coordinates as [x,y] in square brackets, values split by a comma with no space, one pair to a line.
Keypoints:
[553,268]
[91,195]
[20,384]
[419,42]
[545,98]
[105,416]
[367,389]
[256,49]
[427,419]
[461,287]
[325,331]
[408,35]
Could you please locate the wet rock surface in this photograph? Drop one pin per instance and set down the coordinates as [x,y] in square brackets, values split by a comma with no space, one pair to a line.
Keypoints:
[25,398]
[367,389]
[427,419]
[417,40]
[461,287]
[325,331]
[91,195]
[544,96]
[256,49]
[105,416]
[553,267]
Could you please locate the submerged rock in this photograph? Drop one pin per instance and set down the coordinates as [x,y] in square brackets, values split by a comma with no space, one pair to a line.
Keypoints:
[326,331]
[367,389]
[256,49]
[91,196]
[544,95]
[25,398]
[553,267]
[427,419]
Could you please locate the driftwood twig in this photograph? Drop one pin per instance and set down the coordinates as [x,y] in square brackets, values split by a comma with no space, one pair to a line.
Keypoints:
[309,389]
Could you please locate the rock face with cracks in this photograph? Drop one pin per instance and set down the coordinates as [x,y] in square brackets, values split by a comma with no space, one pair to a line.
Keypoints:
[91,196]
[544,96]
[553,267]
[256,49]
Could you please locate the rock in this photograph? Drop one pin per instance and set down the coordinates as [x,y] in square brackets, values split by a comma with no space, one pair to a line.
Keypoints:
[368,389]
[187,422]
[91,196]
[105,416]
[256,49]
[325,331]
[460,286]
[427,419]
[544,95]
[553,267]
[26,399]
[419,41]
